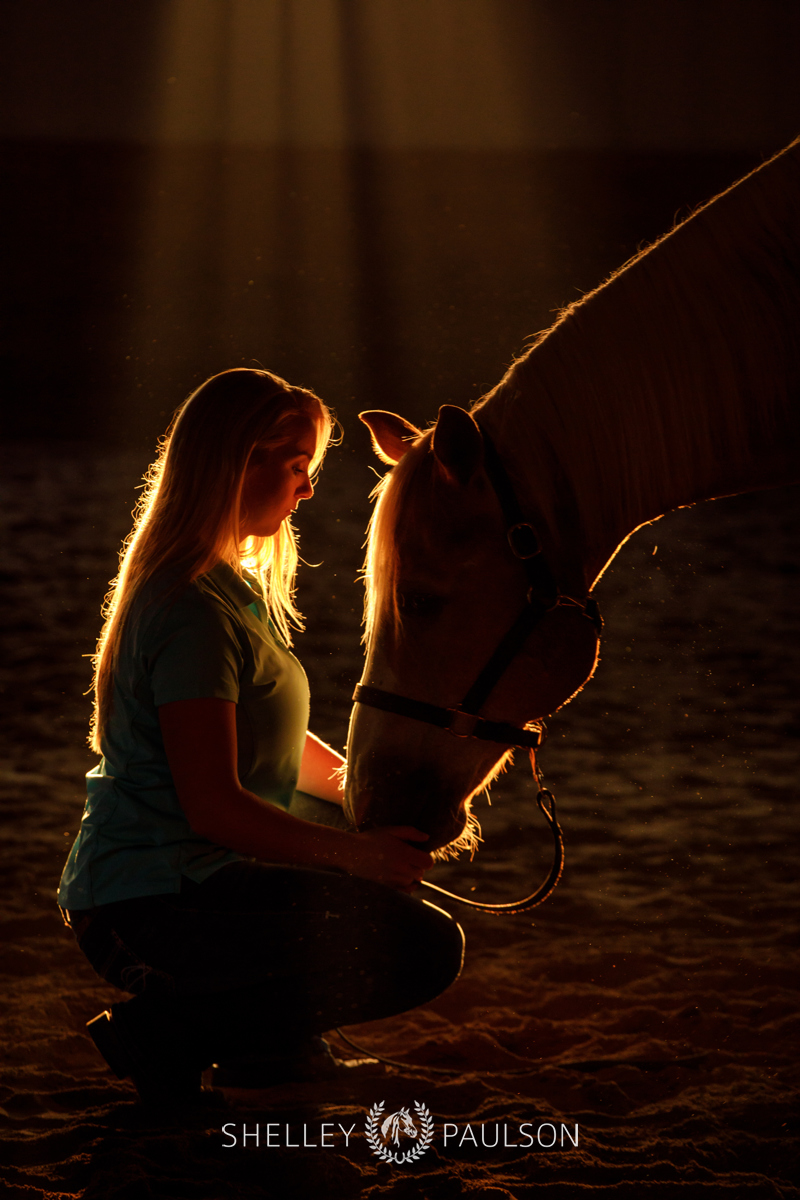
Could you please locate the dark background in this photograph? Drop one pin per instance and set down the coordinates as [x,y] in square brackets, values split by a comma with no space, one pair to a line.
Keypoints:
[379,199]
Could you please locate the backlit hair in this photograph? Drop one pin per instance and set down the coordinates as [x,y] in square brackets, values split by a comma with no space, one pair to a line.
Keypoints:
[189,513]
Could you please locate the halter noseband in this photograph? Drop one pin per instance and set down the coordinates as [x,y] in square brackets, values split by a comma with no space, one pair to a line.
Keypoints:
[542,597]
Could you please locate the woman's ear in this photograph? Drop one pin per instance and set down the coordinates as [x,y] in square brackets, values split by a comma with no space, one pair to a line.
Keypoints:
[391,435]
[457,444]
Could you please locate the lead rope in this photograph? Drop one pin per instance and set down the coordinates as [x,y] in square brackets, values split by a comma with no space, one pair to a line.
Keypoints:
[547,804]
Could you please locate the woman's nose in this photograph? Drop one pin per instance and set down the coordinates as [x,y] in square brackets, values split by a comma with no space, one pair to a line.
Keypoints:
[306,489]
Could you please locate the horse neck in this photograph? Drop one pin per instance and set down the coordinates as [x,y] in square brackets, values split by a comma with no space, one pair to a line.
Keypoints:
[673,382]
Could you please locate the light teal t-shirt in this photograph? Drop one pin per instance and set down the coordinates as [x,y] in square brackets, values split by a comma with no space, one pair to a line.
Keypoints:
[211,638]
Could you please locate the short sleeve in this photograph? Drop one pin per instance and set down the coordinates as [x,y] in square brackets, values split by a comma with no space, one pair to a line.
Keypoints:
[191,651]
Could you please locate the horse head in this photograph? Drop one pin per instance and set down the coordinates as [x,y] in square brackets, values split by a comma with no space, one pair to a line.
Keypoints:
[397,1123]
[674,381]
[443,586]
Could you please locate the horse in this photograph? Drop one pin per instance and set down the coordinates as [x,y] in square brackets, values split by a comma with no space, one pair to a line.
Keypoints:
[675,381]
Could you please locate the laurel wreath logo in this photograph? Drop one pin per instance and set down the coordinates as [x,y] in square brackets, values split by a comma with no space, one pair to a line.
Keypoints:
[402,1118]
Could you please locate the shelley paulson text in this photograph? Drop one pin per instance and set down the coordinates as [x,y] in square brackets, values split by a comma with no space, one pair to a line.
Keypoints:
[274,1135]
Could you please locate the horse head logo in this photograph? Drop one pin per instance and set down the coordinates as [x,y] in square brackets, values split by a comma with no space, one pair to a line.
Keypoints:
[397,1123]
[385,1131]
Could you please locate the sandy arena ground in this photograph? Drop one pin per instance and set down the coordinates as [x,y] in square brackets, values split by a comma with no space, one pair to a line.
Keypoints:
[652,1002]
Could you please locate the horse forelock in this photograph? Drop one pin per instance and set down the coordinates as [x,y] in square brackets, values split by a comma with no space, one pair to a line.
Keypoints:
[421,518]
[402,499]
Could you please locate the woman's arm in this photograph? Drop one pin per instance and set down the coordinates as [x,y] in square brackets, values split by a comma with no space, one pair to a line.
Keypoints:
[200,743]
[321,772]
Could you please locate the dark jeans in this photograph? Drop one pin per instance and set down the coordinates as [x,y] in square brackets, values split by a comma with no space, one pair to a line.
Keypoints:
[259,957]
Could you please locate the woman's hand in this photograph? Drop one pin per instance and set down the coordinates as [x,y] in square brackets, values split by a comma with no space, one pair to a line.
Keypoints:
[384,856]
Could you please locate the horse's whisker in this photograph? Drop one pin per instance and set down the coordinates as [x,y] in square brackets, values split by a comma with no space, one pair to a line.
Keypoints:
[469,839]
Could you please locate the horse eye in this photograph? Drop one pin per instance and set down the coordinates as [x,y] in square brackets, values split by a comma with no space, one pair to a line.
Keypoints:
[419,604]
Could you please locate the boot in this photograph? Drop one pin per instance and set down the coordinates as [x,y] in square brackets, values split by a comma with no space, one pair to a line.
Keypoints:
[162,1077]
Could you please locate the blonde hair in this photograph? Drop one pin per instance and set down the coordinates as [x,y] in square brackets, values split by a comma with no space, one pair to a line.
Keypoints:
[189,513]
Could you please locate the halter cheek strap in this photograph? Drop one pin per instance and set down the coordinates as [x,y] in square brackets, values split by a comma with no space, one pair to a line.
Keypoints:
[544,594]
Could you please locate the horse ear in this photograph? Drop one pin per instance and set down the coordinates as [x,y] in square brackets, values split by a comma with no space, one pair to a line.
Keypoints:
[457,444]
[391,435]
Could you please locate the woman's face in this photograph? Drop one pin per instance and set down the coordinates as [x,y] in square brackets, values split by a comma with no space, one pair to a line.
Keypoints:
[276,480]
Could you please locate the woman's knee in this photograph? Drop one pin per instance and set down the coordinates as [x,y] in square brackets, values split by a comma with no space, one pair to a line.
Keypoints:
[449,944]
[428,948]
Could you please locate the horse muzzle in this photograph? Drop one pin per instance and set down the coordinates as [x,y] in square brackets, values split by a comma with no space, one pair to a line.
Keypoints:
[392,794]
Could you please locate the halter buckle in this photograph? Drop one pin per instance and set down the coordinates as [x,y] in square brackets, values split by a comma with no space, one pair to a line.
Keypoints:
[462,724]
[523,540]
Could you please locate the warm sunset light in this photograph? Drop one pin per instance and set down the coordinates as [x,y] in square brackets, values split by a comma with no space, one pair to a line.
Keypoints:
[489,891]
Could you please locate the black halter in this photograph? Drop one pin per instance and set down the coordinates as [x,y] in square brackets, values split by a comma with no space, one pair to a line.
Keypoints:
[543,596]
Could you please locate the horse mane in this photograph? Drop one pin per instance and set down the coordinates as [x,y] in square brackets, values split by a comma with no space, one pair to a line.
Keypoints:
[672,381]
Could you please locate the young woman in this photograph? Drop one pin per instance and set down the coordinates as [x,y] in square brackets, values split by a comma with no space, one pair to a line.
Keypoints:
[242,930]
